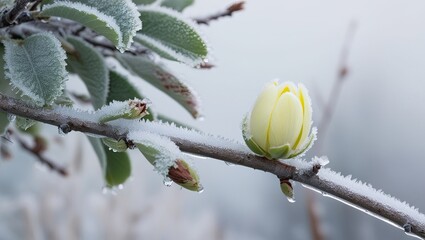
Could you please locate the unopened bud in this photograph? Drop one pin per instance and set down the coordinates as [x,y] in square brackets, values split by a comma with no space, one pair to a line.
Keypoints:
[287,190]
[185,176]
[131,109]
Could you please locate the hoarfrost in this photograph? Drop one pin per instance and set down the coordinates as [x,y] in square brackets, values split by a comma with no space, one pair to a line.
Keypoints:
[168,151]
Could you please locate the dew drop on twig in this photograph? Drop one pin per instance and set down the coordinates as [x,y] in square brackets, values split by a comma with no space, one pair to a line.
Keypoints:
[167,182]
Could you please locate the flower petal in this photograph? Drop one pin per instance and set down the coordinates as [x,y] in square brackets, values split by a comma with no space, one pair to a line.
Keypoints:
[307,114]
[261,113]
[286,121]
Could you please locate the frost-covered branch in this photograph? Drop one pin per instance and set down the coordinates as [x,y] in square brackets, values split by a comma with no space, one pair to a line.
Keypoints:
[239,6]
[14,14]
[328,183]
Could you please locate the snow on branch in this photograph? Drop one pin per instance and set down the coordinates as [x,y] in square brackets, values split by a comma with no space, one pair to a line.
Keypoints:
[329,183]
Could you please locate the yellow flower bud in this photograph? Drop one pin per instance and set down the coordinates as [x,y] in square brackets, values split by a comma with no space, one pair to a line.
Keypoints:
[279,125]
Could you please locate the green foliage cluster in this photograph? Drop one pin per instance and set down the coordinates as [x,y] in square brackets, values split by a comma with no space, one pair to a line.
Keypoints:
[77,37]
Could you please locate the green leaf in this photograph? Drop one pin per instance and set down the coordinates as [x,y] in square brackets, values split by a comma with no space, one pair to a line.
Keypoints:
[116,166]
[24,123]
[4,122]
[120,89]
[4,83]
[36,66]
[89,64]
[119,167]
[157,75]
[143,2]
[170,35]
[178,5]
[117,20]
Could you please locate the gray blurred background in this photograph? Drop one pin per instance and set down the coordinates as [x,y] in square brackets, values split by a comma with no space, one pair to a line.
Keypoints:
[376,133]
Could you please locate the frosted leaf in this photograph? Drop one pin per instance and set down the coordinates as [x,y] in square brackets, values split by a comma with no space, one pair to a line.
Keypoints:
[24,123]
[90,66]
[117,20]
[116,166]
[178,5]
[143,2]
[159,150]
[170,35]
[4,122]
[159,76]
[36,66]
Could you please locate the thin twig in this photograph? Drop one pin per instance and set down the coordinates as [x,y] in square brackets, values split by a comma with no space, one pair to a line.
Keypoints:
[328,113]
[342,73]
[9,16]
[36,150]
[239,6]
[233,155]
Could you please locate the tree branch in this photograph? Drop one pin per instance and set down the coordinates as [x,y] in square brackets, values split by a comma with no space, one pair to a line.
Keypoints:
[239,6]
[326,181]
[9,16]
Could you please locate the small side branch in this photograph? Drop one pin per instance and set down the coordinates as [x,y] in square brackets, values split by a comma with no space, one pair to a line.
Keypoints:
[37,150]
[239,6]
[10,16]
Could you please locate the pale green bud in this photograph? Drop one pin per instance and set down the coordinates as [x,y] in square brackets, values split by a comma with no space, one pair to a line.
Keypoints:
[287,189]
[279,125]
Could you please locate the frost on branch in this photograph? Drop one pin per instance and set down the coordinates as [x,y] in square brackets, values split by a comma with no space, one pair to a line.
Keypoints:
[131,109]
[167,158]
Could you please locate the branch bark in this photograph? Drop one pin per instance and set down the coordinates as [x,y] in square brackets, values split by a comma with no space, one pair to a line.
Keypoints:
[320,183]
[239,6]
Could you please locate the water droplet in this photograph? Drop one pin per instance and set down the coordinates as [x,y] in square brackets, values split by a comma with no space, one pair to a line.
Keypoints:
[407,228]
[11,117]
[200,189]
[109,191]
[205,60]
[105,190]
[63,129]
[200,118]
[167,182]
[120,187]
[291,199]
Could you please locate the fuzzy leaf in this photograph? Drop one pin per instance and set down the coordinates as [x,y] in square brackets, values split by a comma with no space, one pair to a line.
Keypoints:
[24,123]
[170,35]
[116,166]
[4,83]
[36,66]
[117,20]
[89,64]
[178,5]
[157,75]
[120,89]
[4,122]
[143,2]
